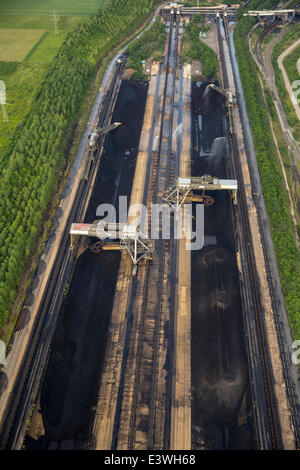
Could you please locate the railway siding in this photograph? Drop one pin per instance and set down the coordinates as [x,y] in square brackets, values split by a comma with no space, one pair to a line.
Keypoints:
[272,346]
[28,367]
[109,386]
[181,399]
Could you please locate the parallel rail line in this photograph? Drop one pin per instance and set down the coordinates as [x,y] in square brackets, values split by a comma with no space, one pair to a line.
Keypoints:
[35,358]
[146,369]
[285,360]
[267,373]
[262,36]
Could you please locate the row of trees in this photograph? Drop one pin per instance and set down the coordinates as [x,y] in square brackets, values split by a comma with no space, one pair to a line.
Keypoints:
[275,195]
[39,154]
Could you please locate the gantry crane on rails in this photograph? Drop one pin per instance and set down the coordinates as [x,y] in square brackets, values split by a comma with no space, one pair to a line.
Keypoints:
[115,236]
[93,144]
[184,190]
[230,98]
[94,136]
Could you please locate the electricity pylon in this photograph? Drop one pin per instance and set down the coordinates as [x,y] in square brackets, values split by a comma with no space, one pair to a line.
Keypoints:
[3,100]
[55,19]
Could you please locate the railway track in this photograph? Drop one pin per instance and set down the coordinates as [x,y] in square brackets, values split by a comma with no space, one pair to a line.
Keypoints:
[249,255]
[148,402]
[261,38]
[285,355]
[35,358]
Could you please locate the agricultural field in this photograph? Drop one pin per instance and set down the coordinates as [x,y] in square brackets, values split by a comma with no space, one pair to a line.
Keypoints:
[28,44]
[15,44]
[290,64]
[62,7]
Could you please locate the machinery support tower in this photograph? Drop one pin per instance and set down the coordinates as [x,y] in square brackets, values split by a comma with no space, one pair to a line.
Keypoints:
[115,236]
[184,189]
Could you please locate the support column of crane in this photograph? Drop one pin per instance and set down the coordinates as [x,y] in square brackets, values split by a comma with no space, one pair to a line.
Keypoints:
[130,238]
[183,190]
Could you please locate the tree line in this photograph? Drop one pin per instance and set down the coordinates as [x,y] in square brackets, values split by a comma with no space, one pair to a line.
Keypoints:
[39,156]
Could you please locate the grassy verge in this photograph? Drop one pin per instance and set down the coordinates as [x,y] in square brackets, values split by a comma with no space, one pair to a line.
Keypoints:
[149,45]
[283,150]
[275,195]
[195,49]
[290,65]
[209,3]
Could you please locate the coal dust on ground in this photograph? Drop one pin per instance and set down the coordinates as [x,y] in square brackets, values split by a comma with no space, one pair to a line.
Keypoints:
[221,400]
[69,390]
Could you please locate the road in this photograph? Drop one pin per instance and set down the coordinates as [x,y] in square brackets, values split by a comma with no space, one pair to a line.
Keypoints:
[286,78]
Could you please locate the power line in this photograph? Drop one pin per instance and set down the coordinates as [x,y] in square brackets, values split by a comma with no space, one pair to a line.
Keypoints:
[3,100]
[55,20]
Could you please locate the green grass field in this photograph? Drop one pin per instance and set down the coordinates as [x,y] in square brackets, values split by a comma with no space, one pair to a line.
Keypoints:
[22,82]
[62,7]
[27,46]
[290,64]
[15,44]
[287,41]
[46,49]
[65,23]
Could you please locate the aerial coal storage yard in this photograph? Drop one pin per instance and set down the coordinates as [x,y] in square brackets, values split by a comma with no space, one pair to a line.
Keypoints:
[69,389]
[221,397]
[122,330]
